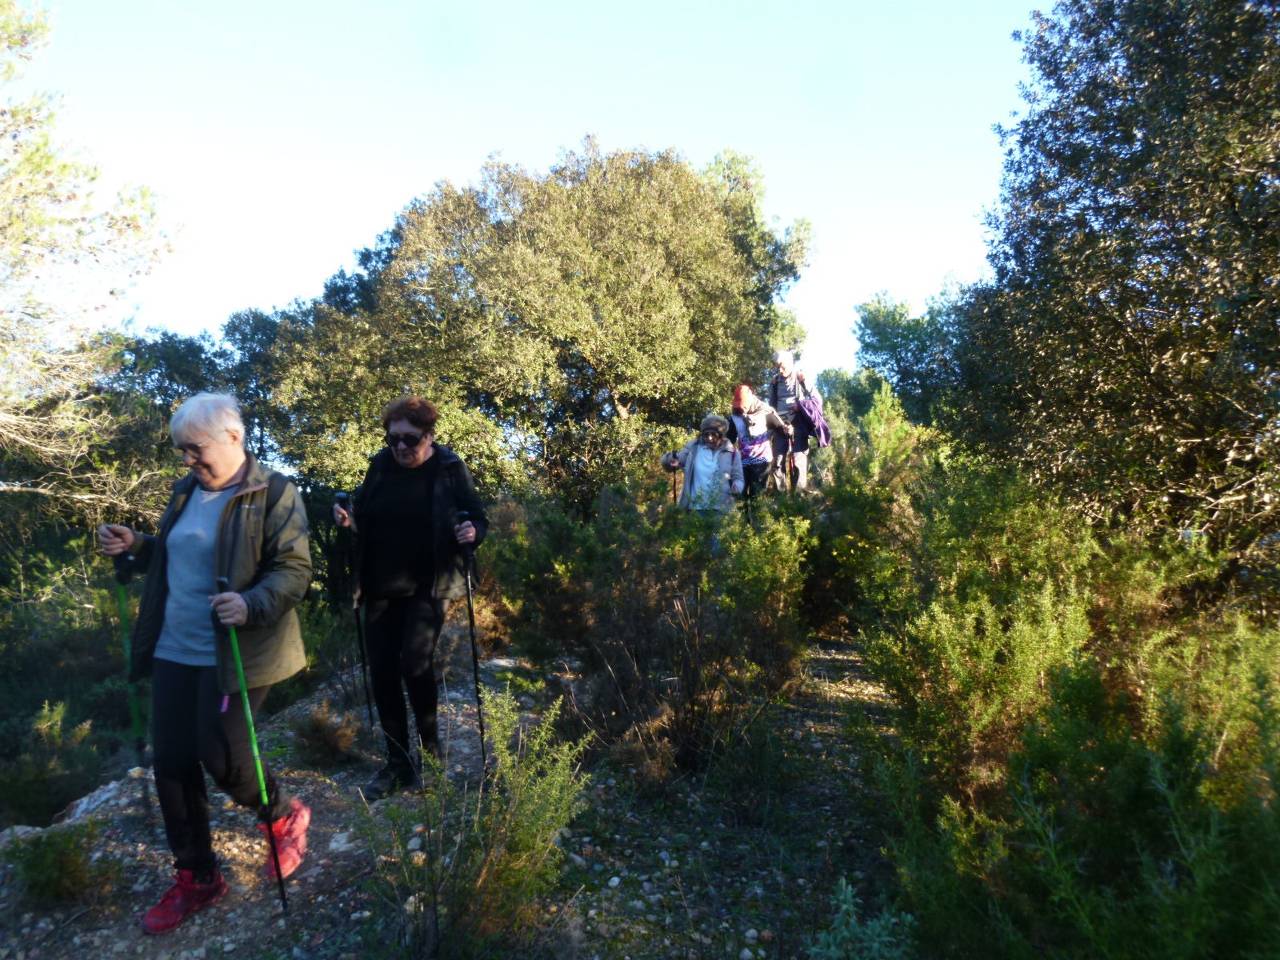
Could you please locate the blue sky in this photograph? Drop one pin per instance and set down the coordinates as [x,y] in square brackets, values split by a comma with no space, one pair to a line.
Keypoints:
[280,136]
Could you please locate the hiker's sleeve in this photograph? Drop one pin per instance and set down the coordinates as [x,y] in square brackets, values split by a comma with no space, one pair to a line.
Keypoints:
[774,422]
[285,564]
[141,551]
[738,484]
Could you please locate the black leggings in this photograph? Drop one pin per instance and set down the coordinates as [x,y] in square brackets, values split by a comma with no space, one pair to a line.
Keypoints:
[191,729]
[401,635]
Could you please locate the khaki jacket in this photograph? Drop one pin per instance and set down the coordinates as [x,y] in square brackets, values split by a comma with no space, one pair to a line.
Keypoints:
[266,559]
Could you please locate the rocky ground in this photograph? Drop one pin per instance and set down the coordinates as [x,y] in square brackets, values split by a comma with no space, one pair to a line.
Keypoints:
[707,867]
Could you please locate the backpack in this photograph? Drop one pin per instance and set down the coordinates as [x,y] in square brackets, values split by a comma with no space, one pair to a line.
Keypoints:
[810,405]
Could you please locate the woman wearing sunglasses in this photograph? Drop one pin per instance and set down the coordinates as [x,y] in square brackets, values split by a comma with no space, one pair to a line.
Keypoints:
[415,517]
[712,468]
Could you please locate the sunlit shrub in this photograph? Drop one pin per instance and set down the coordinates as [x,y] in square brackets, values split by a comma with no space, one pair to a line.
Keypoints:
[459,870]
[852,936]
[676,621]
[55,765]
[59,866]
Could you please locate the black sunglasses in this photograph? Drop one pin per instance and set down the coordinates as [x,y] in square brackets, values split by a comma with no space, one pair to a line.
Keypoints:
[409,440]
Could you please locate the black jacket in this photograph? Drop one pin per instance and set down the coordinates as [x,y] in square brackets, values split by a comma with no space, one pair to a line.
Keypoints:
[454,492]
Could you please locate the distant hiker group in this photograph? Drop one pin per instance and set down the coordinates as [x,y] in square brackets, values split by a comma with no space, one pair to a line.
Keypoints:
[231,560]
[758,444]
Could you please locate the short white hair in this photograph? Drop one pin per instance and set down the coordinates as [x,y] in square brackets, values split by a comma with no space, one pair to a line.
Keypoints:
[784,357]
[206,415]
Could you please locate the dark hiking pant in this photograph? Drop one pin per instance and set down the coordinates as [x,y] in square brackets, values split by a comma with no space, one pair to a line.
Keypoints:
[196,728]
[401,634]
[754,476]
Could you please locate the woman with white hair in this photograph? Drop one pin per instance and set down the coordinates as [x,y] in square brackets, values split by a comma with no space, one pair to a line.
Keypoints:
[228,518]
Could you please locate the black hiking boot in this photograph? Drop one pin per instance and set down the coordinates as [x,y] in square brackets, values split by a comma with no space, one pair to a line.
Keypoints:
[392,778]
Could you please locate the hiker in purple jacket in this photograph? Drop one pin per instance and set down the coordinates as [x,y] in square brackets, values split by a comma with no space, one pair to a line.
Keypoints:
[785,391]
[752,426]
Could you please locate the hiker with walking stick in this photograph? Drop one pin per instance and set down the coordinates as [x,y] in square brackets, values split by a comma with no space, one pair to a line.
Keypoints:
[751,425]
[411,543]
[232,552]
[712,469]
[786,389]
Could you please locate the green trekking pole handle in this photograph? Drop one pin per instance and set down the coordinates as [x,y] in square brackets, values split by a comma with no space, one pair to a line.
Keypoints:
[224,586]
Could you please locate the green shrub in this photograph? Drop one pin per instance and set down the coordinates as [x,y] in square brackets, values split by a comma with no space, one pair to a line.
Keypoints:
[679,622]
[57,866]
[888,936]
[968,675]
[1086,746]
[1123,841]
[1125,828]
[54,767]
[460,871]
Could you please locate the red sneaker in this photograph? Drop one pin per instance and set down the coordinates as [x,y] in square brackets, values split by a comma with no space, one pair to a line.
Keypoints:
[181,900]
[291,839]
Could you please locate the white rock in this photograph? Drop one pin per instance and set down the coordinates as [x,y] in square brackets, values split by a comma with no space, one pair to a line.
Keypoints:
[16,833]
[614,881]
[341,842]
[752,935]
[746,954]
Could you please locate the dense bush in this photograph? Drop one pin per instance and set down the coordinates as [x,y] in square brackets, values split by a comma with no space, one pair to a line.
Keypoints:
[460,872]
[675,622]
[65,703]
[58,866]
[851,936]
[1087,740]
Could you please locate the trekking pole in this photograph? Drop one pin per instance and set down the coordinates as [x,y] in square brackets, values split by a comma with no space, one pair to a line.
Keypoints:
[791,463]
[343,499]
[469,561]
[124,573]
[224,586]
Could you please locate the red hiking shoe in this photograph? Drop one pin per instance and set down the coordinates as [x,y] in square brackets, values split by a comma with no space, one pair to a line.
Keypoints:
[291,839]
[184,898]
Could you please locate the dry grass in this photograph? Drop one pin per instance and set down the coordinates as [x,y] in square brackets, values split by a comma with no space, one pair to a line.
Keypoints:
[327,738]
